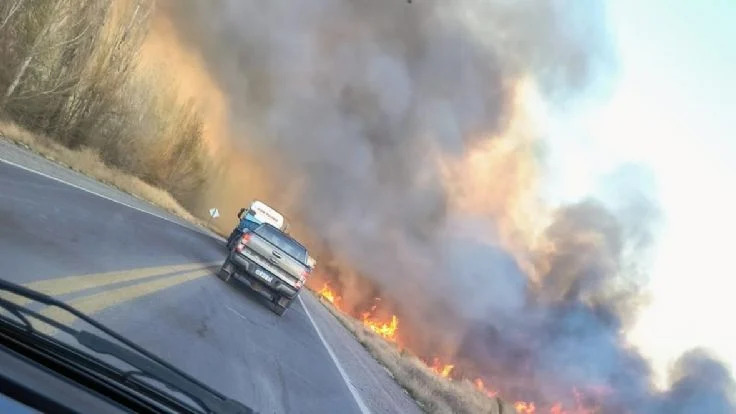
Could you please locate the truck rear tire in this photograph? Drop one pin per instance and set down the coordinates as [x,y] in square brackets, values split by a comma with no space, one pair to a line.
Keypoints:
[280,305]
[225,272]
[279,310]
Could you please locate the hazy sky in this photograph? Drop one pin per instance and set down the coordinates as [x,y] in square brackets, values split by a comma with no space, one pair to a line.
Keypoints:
[672,109]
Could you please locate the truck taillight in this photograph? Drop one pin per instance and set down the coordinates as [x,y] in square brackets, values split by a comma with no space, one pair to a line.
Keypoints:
[243,240]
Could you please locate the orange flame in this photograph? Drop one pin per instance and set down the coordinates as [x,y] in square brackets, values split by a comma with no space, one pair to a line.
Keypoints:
[556,409]
[440,369]
[386,329]
[329,294]
[482,387]
[523,407]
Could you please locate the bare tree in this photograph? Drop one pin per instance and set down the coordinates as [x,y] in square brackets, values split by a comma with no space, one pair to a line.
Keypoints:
[8,11]
[109,69]
[51,39]
[70,70]
[38,30]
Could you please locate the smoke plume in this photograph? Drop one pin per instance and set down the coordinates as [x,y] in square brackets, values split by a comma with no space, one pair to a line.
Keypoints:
[400,139]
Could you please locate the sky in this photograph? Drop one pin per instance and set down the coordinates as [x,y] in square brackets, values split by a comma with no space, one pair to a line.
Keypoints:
[672,111]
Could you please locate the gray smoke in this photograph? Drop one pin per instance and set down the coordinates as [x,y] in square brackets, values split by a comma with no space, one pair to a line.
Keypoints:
[702,385]
[352,100]
[356,97]
[568,335]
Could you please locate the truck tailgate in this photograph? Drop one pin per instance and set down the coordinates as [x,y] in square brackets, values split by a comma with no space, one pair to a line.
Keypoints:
[277,258]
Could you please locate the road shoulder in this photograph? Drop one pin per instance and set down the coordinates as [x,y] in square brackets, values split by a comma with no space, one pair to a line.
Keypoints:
[378,389]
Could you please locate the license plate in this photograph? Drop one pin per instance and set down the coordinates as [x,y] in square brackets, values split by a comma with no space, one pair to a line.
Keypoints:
[264,275]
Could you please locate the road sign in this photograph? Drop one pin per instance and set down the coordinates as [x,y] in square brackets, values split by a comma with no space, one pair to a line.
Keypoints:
[214,213]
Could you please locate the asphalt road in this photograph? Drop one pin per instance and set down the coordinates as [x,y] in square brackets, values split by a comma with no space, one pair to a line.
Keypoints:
[150,277]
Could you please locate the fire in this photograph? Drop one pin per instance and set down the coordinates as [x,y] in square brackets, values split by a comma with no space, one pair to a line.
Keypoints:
[482,387]
[329,294]
[389,330]
[386,329]
[441,370]
[523,407]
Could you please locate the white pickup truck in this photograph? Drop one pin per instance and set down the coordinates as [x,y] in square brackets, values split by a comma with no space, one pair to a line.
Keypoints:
[270,262]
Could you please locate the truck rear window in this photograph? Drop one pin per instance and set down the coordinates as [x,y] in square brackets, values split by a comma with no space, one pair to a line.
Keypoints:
[283,242]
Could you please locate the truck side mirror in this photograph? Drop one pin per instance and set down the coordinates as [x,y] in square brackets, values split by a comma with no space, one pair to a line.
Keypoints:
[240,213]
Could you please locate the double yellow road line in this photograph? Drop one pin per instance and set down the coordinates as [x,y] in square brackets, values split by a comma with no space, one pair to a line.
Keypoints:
[104,299]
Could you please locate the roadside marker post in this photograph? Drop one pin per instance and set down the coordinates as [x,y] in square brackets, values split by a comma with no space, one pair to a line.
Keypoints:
[214,213]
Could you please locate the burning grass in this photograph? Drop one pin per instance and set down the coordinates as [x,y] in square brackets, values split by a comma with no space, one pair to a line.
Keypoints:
[432,383]
[429,385]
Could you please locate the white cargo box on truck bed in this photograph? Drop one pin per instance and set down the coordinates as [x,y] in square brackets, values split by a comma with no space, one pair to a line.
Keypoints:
[265,214]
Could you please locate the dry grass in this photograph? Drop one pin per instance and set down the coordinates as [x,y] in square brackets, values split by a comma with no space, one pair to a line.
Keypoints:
[433,393]
[88,162]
